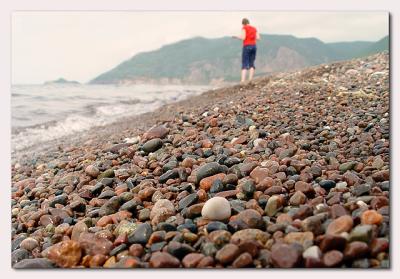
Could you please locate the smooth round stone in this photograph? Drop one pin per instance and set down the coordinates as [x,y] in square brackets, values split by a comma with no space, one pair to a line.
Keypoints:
[192,260]
[361,233]
[332,258]
[371,217]
[171,174]
[251,218]
[342,224]
[188,201]
[156,132]
[298,198]
[207,170]
[188,226]
[217,208]
[214,226]
[163,226]
[163,260]
[347,166]
[19,255]
[312,252]
[250,235]
[41,263]
[327,184]
[227,254]
[355,250]
[92,170]
[29,244]
[141,235]
[129,206]
[273,205]
[179,250]
[152,145]
[285,256]
[118,249]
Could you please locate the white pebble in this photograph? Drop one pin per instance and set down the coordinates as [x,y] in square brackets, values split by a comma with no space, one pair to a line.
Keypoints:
[133,140]
[312,252]
[217,208]
[362,204]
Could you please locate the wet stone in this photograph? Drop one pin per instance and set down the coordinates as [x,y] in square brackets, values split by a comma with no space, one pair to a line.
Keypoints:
[144,214]
[285,256]
[111,206]
[216,225]
[244,260]
[19,255]
[118,249]
[371,217]
[362,189]
[34,263]
[192,260]
[61,199]
[208,170]
[339,225]
[251,218]
[332,258]
[188,201]
[327,184]
[179,250]
[163,260]
[129,206]
[332,242]
[170,174]
[141,235]
[227,254]
[152,145]
[361,233]
[355,249]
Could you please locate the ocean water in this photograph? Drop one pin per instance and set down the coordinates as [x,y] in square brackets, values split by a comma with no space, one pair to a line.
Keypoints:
[40,113]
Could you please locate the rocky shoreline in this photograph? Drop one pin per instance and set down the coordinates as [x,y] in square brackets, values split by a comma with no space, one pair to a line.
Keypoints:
[291,170]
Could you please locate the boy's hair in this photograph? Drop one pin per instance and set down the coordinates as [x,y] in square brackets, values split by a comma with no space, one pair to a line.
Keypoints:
[245,21]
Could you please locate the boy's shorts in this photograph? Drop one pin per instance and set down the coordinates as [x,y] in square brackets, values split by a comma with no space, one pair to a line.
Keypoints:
[248,56]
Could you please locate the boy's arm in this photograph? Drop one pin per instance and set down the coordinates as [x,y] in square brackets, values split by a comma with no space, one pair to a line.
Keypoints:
[258,36]
[242,35]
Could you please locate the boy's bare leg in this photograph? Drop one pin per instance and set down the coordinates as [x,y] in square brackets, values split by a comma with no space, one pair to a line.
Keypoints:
[251,73]
[243,79]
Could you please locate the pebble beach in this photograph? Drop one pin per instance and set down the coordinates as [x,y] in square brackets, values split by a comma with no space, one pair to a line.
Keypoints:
[288,171]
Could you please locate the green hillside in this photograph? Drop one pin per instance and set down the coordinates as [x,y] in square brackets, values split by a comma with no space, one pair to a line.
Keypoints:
[200,60]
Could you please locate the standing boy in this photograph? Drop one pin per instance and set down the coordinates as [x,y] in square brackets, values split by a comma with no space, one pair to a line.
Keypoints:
[249,36]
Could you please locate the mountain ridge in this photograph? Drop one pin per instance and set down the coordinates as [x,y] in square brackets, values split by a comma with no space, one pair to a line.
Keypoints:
[200,60]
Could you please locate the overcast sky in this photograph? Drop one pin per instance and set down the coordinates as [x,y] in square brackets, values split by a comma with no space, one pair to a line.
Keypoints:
[81,45]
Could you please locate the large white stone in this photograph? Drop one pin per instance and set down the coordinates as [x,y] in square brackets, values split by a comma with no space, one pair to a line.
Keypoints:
[217,208]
